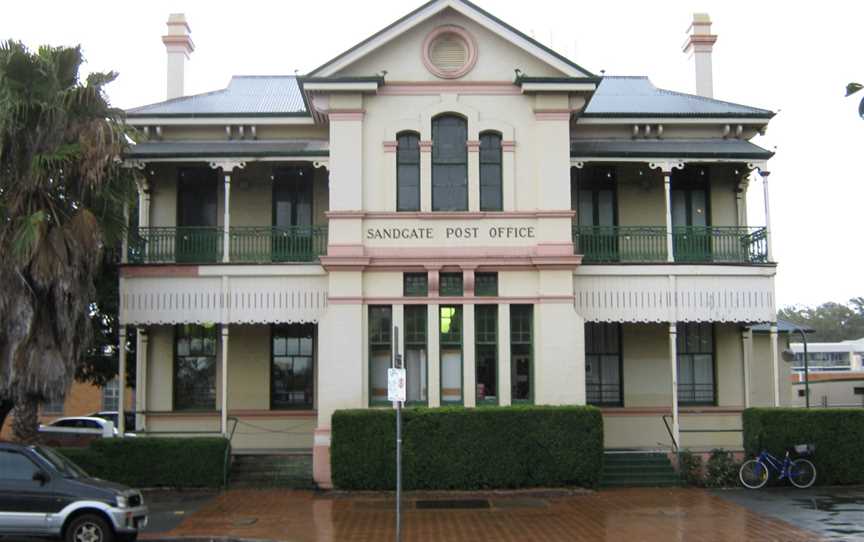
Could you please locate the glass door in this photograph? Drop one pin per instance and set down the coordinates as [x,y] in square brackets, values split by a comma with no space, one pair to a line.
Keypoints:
[596,214]
[292,214]
[690,218]
[198,237]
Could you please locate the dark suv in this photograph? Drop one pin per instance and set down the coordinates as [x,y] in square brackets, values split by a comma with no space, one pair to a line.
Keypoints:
[44,494]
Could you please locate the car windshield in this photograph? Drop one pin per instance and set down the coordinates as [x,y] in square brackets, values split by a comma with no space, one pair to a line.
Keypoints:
[59,462]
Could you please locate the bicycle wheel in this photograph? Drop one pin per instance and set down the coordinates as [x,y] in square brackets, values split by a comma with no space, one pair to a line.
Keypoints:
[753,474]
[802,473]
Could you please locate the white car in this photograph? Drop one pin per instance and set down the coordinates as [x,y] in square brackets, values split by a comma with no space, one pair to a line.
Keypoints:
[81,425]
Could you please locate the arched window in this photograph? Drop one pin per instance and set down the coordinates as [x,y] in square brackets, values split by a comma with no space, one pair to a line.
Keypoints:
[449,163]
[408,172]
[491,197]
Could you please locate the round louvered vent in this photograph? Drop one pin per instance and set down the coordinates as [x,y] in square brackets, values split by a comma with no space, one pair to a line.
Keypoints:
[449,52]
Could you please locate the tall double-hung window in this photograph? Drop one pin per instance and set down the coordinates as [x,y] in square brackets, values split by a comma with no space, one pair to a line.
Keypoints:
[491,196]
[449,163]
[380,351]
[521,353]
[696,363]
[408,171]
[603,364]
[450,325]
[195,367]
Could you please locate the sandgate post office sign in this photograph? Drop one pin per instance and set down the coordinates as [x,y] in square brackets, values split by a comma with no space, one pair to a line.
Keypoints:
[445,233]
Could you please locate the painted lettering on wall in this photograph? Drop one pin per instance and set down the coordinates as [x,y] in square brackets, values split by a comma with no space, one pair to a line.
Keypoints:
[451,232]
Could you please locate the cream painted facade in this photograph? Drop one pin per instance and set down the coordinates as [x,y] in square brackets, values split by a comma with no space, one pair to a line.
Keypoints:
[272,244]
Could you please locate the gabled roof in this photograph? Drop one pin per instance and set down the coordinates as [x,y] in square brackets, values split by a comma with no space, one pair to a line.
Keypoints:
[467,9]
[620,96]
[254,95]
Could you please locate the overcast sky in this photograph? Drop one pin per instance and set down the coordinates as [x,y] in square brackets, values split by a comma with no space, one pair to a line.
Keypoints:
[775,55]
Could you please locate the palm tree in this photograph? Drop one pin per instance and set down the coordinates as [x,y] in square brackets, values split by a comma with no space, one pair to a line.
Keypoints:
[62,195]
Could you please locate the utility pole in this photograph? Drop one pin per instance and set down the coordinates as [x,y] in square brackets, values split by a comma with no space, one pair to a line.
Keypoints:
[396,391]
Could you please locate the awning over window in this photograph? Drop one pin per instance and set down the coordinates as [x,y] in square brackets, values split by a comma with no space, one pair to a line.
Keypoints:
[735,149]
[155,150]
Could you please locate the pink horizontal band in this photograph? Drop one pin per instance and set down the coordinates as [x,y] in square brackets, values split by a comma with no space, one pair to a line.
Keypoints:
[467,215]
[443,300]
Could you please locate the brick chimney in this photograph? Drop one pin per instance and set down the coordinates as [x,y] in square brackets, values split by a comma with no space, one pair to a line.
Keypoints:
[700,44]
[178,46]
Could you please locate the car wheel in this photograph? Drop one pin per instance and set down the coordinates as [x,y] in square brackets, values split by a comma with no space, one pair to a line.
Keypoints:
[89,528]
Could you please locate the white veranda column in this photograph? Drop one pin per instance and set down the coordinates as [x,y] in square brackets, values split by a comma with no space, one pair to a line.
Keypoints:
[747,347]
[224,409]
[673,366]
[666,168]
[775,364]
[227,167]
[141,350]
[121,382]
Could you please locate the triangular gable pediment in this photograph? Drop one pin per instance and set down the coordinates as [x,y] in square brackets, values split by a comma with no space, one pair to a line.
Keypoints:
[535,58]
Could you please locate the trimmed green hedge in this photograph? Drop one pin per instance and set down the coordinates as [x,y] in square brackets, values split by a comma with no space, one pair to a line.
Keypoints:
[468,448]
[154,461]
[837,434]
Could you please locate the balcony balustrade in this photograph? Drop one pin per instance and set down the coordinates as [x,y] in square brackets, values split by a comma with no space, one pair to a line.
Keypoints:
[691,244]
[247,244]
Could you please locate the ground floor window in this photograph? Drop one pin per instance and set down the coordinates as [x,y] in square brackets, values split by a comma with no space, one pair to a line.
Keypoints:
[486,341]
[380,351]
[195,367]
[696,363]
[450,325]
[416,366]
[111,395]
[521,352]
[603,364]
[292,366]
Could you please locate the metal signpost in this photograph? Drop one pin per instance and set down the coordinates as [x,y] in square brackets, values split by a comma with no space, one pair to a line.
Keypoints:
[396,394]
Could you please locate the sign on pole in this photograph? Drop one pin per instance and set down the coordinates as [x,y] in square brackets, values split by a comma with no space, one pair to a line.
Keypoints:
[396,385]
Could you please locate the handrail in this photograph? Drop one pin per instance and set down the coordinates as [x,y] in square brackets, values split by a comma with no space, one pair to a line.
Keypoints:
[690,244]
[669,430]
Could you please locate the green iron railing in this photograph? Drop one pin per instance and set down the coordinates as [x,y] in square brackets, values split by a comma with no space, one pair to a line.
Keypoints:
[187,244]
[246,244]
[719,244]
[611,244]
[691,244]
[278,244]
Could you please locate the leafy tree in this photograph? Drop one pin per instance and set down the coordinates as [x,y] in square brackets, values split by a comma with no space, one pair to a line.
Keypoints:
[832,322]
[62,192]
[851,89]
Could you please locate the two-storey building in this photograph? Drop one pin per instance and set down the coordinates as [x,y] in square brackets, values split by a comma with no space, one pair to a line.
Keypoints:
[536,233]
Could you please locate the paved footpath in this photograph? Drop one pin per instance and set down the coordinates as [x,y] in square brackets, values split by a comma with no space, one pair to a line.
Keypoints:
[626,515]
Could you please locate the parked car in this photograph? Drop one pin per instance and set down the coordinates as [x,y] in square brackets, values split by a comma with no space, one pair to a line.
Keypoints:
[42,493]
[112,416]
[78,430]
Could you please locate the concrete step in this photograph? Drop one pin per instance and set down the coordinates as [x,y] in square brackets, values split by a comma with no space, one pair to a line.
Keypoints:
[638,469]
[279,470]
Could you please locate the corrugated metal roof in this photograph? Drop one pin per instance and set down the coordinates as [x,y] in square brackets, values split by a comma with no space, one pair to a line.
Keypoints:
[668,148]
[244,95]
[783,326]
[213,149]
[620,96]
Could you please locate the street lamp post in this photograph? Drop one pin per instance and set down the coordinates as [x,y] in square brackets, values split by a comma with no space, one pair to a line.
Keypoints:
[788,355]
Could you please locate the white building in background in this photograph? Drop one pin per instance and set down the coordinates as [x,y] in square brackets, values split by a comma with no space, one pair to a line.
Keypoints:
[539,235]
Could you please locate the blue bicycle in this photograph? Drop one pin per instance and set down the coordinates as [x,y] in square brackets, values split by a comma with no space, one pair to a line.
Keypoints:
[800,472]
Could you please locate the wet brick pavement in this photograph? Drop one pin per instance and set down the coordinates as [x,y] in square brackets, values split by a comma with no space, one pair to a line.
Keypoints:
[627,514]
[837,513]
